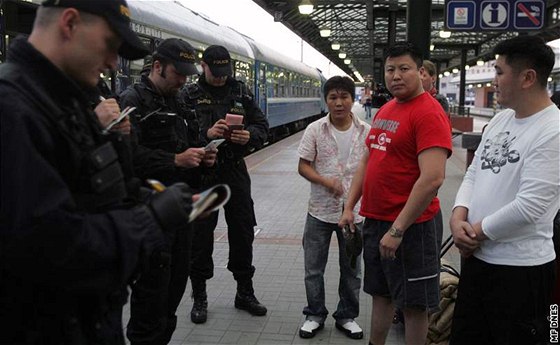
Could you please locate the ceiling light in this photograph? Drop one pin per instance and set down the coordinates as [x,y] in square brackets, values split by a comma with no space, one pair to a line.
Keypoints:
[467,67]
[488,84]
[549,79]
[325,32]
[444,34]
[455,70]
[440,76]
[478,85]
[335,46]
[347,61]
[432,47]
[342,55]
[306,7]
[446,73]
[480,63]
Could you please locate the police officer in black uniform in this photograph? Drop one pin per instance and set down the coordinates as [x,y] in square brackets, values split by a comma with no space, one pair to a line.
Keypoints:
[168,148]
[214,95]
[73,232]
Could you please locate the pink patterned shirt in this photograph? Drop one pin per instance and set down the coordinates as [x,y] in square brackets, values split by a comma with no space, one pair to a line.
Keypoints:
[319,146]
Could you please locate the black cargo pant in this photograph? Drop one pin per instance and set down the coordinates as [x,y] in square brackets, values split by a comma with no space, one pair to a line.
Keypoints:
[240,219]
[158,292]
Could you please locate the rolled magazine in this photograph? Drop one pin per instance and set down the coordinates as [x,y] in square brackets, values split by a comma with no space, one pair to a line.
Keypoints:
[210,200]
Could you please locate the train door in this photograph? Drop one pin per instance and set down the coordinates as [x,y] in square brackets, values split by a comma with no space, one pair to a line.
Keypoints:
[261,75]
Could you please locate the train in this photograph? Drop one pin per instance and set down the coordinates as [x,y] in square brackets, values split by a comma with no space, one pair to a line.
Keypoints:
[288,91]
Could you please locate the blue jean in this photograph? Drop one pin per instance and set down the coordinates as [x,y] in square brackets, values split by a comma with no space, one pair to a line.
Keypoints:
[316,241]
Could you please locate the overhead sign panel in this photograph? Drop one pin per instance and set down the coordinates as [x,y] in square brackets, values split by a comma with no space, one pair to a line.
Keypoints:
[495,15]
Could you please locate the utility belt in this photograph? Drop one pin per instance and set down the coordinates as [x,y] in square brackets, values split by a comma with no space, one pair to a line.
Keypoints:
[104,185]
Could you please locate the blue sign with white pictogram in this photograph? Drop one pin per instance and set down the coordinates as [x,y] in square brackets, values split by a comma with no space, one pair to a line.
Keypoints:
[528,15]
[461,14]
[495,15]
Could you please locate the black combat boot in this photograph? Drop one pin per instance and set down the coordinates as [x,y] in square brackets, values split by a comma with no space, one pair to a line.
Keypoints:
[199,312]
[246,300]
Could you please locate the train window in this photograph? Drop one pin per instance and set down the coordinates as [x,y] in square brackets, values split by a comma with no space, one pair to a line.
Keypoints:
[242,71]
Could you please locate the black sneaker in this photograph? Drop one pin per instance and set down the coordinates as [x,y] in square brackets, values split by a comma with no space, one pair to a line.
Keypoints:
[199,312]
[250,303]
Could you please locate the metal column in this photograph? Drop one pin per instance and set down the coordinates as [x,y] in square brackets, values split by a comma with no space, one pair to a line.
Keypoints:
[419,21]
[463,78]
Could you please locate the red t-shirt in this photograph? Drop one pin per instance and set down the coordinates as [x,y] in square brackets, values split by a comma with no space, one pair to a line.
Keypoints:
[399,132]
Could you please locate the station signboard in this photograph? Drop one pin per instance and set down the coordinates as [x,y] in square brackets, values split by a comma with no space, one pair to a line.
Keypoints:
[495,15]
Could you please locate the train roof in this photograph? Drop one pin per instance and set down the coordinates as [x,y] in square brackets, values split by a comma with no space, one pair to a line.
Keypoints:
[266,54]
[173,19]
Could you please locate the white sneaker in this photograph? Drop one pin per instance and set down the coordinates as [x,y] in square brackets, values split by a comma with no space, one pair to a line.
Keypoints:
[310,328]
[351,329]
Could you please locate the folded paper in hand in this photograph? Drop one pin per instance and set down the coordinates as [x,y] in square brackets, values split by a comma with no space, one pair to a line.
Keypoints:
[210,200]
[126,111]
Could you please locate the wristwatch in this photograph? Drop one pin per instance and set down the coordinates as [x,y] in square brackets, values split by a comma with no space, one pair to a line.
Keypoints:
[396,233]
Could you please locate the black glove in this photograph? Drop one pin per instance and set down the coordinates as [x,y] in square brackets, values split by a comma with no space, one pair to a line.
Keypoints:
[172,206]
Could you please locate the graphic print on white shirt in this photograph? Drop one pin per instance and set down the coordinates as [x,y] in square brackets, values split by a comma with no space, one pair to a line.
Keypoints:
[496,152]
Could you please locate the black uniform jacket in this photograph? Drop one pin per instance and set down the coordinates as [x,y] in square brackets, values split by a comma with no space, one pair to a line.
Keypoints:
[69,242]
[161,127]
[213,103]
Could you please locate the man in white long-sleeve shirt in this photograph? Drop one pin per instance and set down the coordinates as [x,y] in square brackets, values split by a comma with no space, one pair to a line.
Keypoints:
[503,214]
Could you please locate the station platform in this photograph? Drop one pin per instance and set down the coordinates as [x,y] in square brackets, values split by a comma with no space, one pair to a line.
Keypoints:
[280,196]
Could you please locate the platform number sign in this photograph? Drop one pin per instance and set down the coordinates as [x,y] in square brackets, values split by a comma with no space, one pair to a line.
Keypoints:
[495,15]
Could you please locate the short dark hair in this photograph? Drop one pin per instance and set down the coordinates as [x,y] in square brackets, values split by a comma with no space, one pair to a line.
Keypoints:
[404,48]
[340,83]
[528,52]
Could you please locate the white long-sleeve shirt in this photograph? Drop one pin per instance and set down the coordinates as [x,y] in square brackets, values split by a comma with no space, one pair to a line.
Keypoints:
[512,186]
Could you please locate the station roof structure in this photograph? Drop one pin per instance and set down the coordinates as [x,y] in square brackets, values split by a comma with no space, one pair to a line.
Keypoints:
[364,28]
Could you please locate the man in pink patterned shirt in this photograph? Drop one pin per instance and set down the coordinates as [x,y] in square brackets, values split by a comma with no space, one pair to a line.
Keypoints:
[329,152]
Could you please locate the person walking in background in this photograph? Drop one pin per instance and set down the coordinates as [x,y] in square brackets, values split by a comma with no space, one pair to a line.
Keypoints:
[73,229]
[329,152]
[429,83]
[502,221]
[216,94]
[367,106]
[398,179]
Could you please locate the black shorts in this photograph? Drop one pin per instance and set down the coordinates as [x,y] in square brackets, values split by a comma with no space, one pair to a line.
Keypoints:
[503,305]
[412,279]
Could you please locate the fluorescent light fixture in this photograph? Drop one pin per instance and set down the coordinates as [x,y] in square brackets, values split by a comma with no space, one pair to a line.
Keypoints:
[480,63]
[347,61]
[306,7]
[335,46]
[342,55]
[325,32]
[444,34]
[359,76]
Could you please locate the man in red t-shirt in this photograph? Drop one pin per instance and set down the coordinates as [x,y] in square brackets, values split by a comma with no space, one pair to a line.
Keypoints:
[398,179]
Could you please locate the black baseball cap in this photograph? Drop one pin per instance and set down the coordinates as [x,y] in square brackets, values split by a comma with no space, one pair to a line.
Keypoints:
[117,14]
[180,53]
[218,60]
